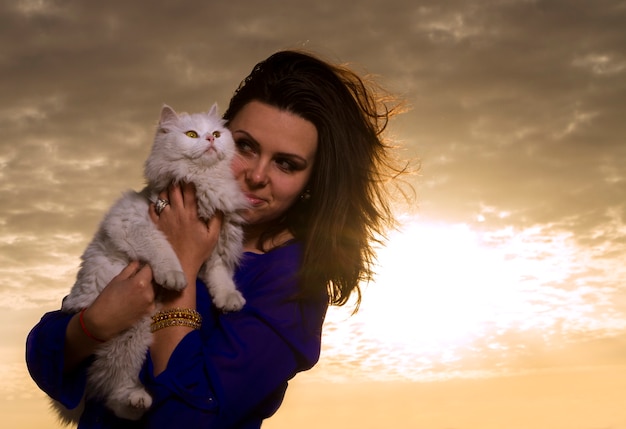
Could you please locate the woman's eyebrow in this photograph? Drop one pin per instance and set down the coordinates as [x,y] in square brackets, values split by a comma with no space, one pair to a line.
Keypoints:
[282,154]
[247,134]
[299,161]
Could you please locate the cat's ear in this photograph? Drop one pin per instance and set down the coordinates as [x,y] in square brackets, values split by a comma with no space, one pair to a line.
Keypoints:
[167,114]
[213,111]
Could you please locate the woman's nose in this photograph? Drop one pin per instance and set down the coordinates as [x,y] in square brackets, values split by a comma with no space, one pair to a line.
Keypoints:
[257,173]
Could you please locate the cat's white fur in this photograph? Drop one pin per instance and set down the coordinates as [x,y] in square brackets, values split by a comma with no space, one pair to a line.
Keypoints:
[127,233]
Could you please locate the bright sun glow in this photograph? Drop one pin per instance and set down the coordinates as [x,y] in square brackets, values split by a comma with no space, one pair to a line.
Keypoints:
[449,279]
[447,296]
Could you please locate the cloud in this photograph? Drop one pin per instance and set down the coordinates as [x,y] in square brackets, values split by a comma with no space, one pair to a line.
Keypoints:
[513,100]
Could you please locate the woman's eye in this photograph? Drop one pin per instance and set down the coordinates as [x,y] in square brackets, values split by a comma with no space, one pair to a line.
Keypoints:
[286,165]
[216,134]
[192,134]
[244,146]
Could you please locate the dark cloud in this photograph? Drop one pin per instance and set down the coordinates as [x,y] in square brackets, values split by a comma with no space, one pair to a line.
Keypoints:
[518,105]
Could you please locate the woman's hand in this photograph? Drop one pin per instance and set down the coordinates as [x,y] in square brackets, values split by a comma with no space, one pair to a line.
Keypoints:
[192,239]
[128,298]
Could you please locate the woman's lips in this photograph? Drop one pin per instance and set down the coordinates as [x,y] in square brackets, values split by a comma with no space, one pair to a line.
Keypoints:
[254,200]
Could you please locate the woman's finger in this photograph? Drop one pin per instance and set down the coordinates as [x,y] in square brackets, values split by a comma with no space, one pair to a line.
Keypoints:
[144,273]
[129,270]
[188,192]
[215,223]
[164,200]
[174,195]
[164,194]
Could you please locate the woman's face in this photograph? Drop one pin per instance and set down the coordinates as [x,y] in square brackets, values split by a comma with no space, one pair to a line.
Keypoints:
[276,151]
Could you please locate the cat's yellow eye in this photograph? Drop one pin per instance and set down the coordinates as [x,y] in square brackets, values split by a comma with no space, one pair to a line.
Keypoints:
[192,134]
[216,134]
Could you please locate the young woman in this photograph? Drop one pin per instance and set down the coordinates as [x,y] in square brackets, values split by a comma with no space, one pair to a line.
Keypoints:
[312,162]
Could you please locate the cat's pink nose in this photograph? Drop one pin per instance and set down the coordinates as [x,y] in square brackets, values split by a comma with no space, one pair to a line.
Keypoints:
[210,138]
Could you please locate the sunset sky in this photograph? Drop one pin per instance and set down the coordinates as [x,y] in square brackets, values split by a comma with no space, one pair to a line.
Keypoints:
[501,301]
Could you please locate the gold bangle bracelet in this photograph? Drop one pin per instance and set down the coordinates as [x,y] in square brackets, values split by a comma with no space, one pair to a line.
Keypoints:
[178,313]
[176,317]
[155,326]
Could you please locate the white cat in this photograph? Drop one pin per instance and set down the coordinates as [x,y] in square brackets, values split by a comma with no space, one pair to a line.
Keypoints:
[191,148]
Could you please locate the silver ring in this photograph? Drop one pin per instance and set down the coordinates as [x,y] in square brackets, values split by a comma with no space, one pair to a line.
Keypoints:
[160,205]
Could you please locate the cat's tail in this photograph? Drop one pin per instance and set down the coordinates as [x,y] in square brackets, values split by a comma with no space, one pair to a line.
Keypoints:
[66,416]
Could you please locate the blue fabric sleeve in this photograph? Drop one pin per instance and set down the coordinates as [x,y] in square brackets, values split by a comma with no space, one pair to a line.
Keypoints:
[45,360]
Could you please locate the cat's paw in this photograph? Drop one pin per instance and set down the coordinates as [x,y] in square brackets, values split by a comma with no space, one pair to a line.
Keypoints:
[136,404]
[229,301]
[172,280]
[139,399]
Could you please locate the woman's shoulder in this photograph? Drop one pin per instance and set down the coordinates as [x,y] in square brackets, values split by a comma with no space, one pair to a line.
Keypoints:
[289,252]
[277,268]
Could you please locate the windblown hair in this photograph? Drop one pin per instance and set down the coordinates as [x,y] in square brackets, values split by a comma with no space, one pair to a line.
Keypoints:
[349,208]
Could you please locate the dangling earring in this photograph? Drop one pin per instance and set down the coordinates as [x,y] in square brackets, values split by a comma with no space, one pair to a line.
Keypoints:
[306,195]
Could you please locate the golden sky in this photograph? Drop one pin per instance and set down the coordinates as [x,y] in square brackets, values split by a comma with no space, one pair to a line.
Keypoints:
[501,301]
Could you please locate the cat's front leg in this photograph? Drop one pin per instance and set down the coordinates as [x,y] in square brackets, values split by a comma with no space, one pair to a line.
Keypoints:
[133,233]
[219,280]
[153,247]
[172,280]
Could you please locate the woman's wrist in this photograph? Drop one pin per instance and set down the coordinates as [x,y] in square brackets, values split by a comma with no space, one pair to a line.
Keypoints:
[94,326]
[78,345]
[86,330]
[167,336]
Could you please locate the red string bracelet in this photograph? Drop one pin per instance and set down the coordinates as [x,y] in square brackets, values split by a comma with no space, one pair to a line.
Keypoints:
[85,330]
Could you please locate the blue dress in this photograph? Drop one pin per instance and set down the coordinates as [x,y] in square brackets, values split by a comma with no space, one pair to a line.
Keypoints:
[232,373]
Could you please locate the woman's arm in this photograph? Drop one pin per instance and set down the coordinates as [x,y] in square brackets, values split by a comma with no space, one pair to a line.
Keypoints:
[193,240]
[45,360]
[57,348]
